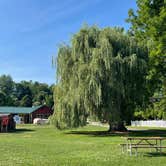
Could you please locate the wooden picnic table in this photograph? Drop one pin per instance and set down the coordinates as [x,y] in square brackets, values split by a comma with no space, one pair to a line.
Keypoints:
[143,142]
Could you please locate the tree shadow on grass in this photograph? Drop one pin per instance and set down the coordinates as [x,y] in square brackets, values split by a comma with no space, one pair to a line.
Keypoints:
[129,133]
[148,133]
[155,154]
[19,131]
[98,133]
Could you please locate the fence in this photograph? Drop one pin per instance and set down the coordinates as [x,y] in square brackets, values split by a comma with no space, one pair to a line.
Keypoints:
[149,123]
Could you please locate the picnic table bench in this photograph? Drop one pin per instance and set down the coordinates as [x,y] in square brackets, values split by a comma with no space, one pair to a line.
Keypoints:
[143,142]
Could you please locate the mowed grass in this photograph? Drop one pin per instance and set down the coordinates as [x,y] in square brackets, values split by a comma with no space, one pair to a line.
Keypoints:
[87,146]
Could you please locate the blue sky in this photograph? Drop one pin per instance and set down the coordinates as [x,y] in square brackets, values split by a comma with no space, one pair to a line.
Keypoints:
[31,30]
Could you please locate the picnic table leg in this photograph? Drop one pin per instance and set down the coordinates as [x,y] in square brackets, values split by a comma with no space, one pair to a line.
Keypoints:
[130,150]
[127,147]
[156,145]
[160,146]
[136,151]
[122,148]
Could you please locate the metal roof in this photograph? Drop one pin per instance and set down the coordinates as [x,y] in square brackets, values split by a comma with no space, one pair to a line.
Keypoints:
[19,110]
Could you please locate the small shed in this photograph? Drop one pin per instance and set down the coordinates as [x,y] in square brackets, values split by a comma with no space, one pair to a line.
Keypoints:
[7,123]
[27,114]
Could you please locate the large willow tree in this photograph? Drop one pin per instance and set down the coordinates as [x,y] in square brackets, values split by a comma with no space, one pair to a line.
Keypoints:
[102,73]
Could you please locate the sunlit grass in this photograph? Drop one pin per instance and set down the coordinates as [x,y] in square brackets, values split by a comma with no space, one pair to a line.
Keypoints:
[46,146]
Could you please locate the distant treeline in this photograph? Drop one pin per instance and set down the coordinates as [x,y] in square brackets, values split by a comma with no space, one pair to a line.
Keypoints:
[24,93]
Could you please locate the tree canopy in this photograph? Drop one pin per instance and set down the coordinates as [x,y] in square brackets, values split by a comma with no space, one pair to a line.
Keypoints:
[101,73]
[148,25]
[24,93]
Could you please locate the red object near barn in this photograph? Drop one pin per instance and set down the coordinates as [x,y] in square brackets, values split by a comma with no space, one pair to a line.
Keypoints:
[7,123]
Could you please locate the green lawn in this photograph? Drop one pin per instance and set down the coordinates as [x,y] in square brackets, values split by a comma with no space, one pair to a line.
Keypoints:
[46,146]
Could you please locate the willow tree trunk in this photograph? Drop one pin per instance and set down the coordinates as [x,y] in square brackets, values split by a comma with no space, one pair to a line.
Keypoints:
[116,122]
[117,126]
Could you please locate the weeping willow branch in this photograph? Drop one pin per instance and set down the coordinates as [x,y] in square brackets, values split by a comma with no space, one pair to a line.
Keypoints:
[101,73]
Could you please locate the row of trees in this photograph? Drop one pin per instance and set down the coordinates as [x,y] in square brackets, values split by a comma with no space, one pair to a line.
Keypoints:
[109,73]
[25,93]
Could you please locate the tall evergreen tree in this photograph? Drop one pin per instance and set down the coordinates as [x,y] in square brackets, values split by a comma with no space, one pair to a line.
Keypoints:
[101,73]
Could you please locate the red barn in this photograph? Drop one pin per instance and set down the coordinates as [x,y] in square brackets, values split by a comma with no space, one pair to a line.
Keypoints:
[28,114]
[43,112]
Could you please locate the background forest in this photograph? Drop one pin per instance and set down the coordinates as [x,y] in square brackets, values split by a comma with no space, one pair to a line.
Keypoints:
[24,93]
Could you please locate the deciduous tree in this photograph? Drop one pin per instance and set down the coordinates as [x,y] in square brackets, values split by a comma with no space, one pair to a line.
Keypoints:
[103,73]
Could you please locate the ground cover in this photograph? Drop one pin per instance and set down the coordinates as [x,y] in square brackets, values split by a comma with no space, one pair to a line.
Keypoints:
[92,146]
